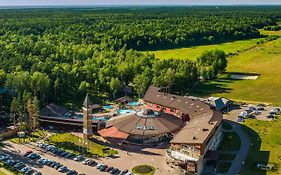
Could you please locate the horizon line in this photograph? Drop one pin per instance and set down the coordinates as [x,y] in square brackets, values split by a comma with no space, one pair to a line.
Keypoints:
[120,5]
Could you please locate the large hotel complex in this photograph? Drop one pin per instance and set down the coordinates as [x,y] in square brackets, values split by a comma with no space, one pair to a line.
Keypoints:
[192,127]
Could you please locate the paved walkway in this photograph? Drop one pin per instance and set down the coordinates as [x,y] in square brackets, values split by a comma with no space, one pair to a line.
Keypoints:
[241,156]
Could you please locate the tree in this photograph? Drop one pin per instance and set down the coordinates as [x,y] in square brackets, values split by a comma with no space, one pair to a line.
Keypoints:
[115,86]
[142,81]
[15,109]
[33,111]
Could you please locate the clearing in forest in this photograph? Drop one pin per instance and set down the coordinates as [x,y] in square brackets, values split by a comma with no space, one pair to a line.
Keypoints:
[196,51]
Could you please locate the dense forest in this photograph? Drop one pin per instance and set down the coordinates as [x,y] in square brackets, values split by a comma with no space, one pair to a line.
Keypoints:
[60,54]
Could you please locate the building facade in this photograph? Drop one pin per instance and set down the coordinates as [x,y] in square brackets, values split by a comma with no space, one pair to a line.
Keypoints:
[196,143]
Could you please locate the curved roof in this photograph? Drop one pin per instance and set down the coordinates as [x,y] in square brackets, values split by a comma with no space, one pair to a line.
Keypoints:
[162,123]
[203,118]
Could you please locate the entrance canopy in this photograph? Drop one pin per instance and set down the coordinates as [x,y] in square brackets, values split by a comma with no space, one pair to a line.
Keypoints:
[113,135]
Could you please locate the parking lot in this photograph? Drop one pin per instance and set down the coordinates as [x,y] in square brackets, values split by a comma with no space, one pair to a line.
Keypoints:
[125,160]
[260,115]
[46,170]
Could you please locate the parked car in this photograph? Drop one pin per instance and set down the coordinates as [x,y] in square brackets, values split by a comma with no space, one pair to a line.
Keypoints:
[4,157]
[37,173]
[100,165]
[27,153]
[240,119]
[71,172]
[270,116]
[108,169]
[124,172]
[103,168]
[78,158]
[33,156]
[63,169]
[23,170]
[85,162]
[92,163]
[266,167]
[19,165]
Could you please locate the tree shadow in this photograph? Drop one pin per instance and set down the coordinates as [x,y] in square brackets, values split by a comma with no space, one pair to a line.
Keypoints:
[207,89]
[255,155]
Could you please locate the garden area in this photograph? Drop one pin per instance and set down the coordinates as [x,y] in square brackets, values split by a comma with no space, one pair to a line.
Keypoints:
[230,142]
[144,170]
[77,145]
[32,137]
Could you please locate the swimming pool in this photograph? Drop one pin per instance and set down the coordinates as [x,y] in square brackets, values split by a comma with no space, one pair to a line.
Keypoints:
[107,107]
[80,116]
[125,111]
[134,103]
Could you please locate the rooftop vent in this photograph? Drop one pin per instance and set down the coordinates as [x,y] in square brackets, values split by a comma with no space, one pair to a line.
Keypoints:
[194,138]
[204,129]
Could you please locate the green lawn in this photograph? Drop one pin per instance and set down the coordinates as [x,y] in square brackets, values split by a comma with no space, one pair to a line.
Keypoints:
[230,142]
[264,60]
[226,126]
[71,143]
[227,157]
[34,136]
[144,170]
[1,173]
[223,167]
[195,52]
[266,145]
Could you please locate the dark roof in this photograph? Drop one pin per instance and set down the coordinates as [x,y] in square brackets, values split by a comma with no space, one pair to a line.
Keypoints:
[186,105]
[203,119]
[148,126]
[87,102]
[96,106]
[53,110]
[124,99]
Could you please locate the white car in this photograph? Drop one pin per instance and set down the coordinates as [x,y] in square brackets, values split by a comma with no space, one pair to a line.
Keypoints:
[86,161]
[78,158]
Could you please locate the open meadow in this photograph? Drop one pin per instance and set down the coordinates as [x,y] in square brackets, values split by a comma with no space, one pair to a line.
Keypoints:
[196,51]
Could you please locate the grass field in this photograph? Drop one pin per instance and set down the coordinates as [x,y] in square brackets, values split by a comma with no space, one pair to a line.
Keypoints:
[264,59]
[1,173]
[72,144]
[195,52]
[266,145]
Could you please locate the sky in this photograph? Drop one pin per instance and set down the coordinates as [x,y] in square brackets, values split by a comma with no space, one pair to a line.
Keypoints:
[135,2]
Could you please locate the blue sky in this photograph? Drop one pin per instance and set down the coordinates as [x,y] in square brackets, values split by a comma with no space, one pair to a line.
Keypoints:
[134,2]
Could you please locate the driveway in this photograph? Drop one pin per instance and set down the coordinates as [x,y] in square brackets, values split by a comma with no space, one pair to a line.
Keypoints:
[241,155]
